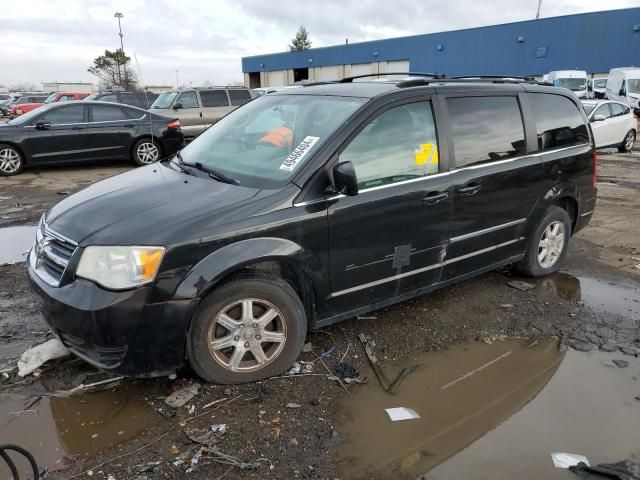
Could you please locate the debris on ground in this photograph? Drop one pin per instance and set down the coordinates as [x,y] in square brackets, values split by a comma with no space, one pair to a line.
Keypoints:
[346,370]
[206,436]
[180,397]
[520,285]
[307,347]
[39,355]
[566,460]
[295,369]
[625,470]
[92,387]
[369,317]
[397,414]
[621,363]
[293,405]
[333,439]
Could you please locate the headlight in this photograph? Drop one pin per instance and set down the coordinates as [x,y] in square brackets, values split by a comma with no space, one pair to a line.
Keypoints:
[119,268]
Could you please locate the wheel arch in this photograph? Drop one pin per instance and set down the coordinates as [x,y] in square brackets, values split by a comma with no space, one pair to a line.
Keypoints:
[25,158]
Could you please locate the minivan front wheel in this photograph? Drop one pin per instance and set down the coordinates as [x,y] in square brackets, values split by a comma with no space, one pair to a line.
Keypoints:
[146,151]
[548,244]
[248,329]
[627,143]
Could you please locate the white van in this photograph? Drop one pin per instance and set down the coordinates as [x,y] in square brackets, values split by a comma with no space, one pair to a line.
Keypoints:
[623,85]
[598,88]
[574,80]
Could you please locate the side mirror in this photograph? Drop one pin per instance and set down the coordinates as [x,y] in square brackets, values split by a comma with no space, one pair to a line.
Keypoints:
[598,118]
[344,179]
[177,106]
[42,125]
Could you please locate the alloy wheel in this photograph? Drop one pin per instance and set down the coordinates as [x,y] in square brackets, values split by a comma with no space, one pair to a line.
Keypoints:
[9,160]
[246,335]
[629,140]
[551,244]
[147,152]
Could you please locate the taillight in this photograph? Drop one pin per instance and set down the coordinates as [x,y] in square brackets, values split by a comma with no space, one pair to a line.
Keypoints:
[174,124]
[595,168]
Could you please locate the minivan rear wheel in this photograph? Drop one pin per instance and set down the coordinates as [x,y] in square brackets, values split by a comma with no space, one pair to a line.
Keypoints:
[11,160]
[547,245]
[248,329]
[146,151]
[627,143]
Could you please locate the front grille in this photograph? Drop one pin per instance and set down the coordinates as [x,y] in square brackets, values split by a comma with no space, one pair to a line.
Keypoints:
[51,254]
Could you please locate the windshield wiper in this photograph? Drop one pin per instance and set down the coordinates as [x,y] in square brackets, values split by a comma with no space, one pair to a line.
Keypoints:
[212,172]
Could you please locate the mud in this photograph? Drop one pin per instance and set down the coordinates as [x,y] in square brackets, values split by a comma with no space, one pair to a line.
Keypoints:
[592,304]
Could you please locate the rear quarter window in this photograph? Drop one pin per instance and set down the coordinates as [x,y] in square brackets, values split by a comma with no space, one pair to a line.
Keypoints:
[559,123]
[239,97]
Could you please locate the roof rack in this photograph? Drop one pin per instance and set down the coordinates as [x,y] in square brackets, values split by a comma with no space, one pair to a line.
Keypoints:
[386,74]
[472,78]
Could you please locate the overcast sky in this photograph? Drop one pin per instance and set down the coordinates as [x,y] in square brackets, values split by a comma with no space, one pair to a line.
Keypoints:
[56,40]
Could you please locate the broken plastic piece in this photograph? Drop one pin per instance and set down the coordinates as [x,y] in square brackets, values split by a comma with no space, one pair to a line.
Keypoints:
[566,460]
[180,397]
[397,414]
[37,356]
[522,286]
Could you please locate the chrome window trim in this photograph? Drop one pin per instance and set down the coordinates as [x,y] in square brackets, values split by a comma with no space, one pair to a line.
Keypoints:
[423,269]
[495,228]
[61,124]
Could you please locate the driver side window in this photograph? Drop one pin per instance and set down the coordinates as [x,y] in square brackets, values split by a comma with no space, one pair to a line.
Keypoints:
[603,110]
[399,144]
[188,100]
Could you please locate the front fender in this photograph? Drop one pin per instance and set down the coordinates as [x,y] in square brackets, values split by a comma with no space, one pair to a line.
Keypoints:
[220,263]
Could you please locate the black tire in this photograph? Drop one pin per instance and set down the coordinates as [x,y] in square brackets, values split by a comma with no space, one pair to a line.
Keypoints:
[213,367]
[11,160]
[140,145]
[627,143]
[531,265]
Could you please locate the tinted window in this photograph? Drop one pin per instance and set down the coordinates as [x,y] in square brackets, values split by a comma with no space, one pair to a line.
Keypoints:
[558,121]
[399,144]
[617,110]
[603,110]
[64,115]
[188,100]
[239,97]
[107,114]
[486,129]
[214,98]
[112,97]
[129,99]
[145,100]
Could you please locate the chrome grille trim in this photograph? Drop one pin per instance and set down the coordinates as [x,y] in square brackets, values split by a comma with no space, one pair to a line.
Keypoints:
[50,255]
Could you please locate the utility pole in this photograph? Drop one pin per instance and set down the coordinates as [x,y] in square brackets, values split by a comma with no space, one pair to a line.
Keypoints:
[119,15]
[538,12]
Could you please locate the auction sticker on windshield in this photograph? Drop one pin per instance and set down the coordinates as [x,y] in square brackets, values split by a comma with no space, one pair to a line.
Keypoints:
[298,153]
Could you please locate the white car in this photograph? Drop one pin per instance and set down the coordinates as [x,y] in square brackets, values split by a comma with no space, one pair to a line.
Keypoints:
[623,85]
[612,123]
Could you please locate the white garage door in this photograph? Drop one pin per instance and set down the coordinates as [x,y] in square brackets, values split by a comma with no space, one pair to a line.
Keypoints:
[361,69]
[277,78]
[398,66]
[327,73]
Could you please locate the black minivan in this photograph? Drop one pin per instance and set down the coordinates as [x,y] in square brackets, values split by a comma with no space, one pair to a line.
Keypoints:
[308,206]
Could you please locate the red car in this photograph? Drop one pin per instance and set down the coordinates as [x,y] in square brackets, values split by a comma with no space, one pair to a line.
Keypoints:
[20,109]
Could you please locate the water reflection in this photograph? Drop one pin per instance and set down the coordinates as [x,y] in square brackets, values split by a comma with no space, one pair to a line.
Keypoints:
[15,242]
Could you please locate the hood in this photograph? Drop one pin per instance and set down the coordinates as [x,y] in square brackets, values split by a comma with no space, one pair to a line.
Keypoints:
[148,205]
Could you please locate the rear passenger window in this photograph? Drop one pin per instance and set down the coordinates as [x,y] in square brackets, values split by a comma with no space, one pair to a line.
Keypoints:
[107,114]
[486,129]
[617,110]
[399,144]
[603,110]
[558,121]
[239,97]
[214,98]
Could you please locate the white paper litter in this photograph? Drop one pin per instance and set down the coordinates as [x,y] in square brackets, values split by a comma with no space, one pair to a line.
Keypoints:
[566,460]
[36,356]
[401,413]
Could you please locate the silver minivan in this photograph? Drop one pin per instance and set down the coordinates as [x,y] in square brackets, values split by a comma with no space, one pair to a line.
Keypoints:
[199,108]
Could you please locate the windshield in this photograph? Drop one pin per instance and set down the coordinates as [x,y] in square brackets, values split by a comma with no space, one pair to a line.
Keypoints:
[602,83]
[263,143]
[27,117]
[51,98]
[633,85]
[164,100]
[574,84]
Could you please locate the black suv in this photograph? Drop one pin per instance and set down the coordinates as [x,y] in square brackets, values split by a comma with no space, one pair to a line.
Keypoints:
[135,99]
[308,206]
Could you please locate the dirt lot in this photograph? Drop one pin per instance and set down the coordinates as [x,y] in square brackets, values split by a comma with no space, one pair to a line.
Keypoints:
[312,426]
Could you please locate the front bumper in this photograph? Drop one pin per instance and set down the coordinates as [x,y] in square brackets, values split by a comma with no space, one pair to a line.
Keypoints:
[116,331]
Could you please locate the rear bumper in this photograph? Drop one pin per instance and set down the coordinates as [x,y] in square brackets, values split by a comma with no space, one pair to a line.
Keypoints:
[116,331]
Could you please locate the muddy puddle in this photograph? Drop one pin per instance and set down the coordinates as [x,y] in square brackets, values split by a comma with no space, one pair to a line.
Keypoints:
[84,426]
[530,399]
[600,295]
[15,242]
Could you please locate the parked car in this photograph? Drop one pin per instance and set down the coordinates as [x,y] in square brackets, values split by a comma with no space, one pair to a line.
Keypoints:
[14,109]
[53,98]
[612,123]
[258,92]
[81,131]
[227,254]
[574,80]
[598,88]
[623,85]
[199,108]
[135,99]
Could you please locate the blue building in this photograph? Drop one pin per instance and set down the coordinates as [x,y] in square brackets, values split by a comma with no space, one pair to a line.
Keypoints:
[595,42]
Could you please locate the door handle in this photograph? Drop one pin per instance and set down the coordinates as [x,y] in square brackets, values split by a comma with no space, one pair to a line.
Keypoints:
[471,189]
[434,197]
[77,128]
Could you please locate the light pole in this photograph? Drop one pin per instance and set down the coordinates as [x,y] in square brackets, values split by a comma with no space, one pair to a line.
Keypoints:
[177,81]
[119,15]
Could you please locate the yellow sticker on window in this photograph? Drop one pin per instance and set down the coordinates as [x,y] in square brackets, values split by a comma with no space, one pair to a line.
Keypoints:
[427,153]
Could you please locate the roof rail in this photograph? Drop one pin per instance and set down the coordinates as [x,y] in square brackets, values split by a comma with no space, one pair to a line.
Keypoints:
[471,78]
[386,74]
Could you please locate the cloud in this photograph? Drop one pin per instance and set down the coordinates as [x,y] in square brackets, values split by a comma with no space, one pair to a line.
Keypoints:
[205,40]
